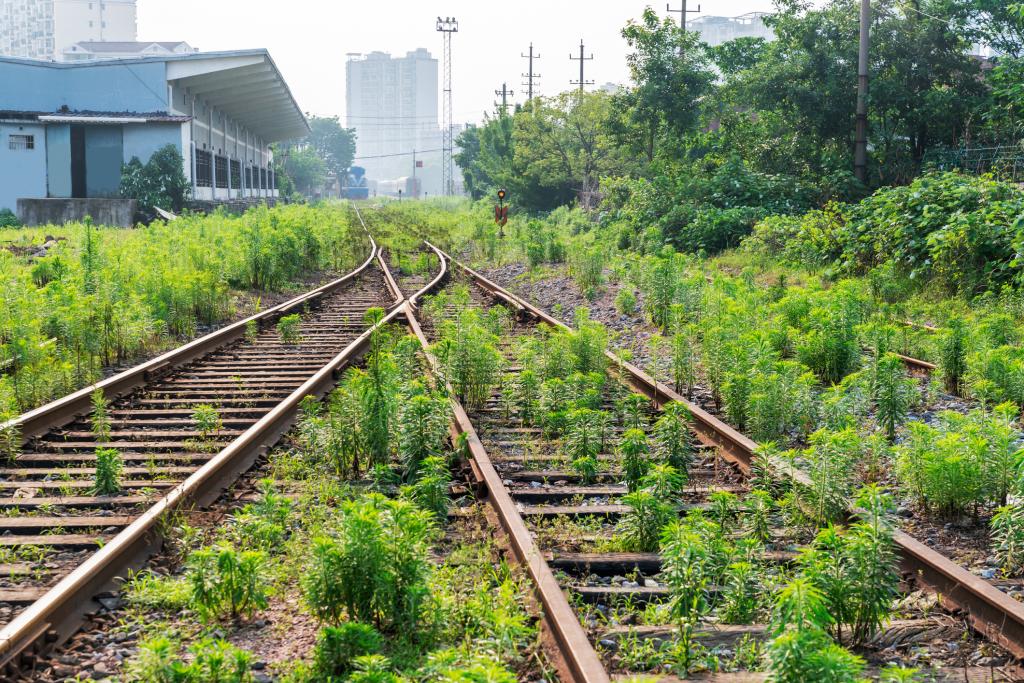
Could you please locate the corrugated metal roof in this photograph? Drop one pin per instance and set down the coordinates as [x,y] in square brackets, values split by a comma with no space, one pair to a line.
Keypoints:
[150,117]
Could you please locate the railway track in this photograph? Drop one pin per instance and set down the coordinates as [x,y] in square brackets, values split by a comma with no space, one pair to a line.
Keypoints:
[531,485]
[69,544]
[554,523]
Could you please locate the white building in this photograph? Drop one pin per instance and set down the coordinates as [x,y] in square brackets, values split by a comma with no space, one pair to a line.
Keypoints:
[718,30]
[392,104]
[42,29]
[85,50]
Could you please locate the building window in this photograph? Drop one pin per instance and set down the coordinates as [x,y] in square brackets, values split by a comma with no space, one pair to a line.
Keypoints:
[263,178]
[248,177]
[236,174]
[222,172]
[203,161]
[19,142]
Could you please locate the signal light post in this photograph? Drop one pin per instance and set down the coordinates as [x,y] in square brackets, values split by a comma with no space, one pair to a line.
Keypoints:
[501,212]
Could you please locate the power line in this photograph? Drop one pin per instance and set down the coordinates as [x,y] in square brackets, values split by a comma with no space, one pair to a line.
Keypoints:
[398,154]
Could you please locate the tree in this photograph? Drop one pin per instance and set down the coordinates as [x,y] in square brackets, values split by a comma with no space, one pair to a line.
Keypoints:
[334,144]
[306,169]
[160,182]
[670,69]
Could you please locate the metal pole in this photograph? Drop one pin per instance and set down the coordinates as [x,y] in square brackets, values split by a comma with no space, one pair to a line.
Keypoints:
[530,75]
[860,153]
[582,60]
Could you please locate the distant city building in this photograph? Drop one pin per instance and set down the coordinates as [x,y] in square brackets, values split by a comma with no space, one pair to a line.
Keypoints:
[42,29]
[392,104]
[718,30]
[86,50]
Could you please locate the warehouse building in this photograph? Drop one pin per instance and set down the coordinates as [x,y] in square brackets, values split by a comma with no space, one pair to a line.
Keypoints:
[67,128]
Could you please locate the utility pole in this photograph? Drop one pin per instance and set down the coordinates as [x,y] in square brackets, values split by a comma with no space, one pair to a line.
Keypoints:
[504,94]
[447,27]
[860,152]
[682,12]
[582,60]
[530,75]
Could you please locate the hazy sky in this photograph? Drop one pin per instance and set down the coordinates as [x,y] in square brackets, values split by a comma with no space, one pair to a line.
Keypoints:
[309,39]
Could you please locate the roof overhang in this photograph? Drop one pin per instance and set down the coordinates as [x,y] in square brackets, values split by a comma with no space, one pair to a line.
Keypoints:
[246,86]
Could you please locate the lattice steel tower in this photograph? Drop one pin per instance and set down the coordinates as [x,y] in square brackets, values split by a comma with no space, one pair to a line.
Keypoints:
[447,27]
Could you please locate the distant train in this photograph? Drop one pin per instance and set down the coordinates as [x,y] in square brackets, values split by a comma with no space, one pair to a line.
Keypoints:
[355,185]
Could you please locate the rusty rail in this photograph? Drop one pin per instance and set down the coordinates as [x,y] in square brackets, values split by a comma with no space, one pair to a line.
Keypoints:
[991,612]
[56,614]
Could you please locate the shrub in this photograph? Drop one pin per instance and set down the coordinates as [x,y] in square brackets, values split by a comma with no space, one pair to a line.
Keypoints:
[430,490]
[1008,538]
[213,661]
[673,440]
[469,358]
[634,451]
[206,420]
[337,647]
[953,356]
[288,328]
[263,524]
[625,301]
[640,528]
[161,182]
[894,394]
[8,219]
[107,480]
[100,419]
[375,566]
[227,582]
[422,424]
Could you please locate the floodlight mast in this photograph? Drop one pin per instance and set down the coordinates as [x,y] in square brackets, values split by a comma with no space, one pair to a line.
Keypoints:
[446,27]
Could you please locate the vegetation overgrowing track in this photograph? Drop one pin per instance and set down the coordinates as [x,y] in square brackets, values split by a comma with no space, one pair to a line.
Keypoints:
[177,430]
[528,468]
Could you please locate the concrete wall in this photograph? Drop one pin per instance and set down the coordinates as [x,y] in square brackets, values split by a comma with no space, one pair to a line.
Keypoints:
[114,212]
[104,86]
[22,171]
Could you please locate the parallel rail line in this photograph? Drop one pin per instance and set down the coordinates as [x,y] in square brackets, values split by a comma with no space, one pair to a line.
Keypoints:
[256,384]
[990,611]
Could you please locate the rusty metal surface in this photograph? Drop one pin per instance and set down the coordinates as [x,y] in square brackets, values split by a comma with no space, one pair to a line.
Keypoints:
[990,611]
[581,660]
[56,614]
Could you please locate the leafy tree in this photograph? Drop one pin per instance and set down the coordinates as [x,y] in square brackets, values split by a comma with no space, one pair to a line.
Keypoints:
[306,168]
[335,145]
[160,182]
[670,69]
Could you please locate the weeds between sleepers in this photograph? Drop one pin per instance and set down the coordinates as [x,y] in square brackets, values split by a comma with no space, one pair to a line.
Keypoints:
[389,583]
[726,548]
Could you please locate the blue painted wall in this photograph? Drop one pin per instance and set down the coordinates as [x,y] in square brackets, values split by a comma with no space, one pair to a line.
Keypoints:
[23,171]
[104,154]
[58,160]
[141,140]
[136,87]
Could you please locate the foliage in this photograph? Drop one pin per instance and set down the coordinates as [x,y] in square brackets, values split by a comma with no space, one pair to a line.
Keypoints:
[227,582]
[160,183]
[640,528]
[894,394]
[337,647]
[964,461]
[110,295]
[422,430]
[1007,528]
[107,479]
[469,357]
[288,328]
[212,661]
[374,566]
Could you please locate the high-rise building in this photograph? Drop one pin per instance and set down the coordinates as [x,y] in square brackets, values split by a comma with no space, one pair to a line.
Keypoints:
[717,30]
[43,29]
[392,104]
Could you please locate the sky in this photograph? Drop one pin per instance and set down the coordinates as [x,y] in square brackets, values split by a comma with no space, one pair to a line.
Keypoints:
[309,39]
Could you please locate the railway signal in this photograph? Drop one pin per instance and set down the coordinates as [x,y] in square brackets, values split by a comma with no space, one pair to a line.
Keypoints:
[501,211]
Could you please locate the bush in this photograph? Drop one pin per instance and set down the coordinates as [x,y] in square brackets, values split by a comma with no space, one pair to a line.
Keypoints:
[8,219]
[375,566]
[161,182]
[337,647]
[213,661]
[227,582]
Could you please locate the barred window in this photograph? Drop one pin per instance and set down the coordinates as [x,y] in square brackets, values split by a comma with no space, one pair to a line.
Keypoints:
[203,170]
[263,178]
[236,174]
[20,142]
[248,177]
[222,172]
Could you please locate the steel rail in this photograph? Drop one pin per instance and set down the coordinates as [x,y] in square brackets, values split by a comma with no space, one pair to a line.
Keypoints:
[581,663]
[990,611]
[56,413]
[55,615]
